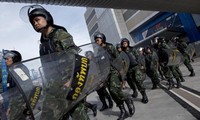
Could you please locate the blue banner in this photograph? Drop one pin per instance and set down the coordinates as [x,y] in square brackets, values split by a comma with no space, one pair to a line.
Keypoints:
[4,73]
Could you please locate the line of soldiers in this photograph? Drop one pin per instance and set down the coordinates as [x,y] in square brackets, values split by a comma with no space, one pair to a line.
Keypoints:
[150,61]
[55,38]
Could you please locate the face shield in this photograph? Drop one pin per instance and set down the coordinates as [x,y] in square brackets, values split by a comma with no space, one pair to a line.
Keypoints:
[26,10]
[8,54]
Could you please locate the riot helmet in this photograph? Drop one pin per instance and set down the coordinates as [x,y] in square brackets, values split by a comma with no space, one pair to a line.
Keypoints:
[147,50]
[34,11]
[15,55]
[157,40]
[100,35]
[118,45]
[89,53]
[140,50]
[124,40]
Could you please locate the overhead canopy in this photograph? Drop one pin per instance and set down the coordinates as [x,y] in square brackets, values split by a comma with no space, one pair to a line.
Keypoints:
[191,6]
[167,33]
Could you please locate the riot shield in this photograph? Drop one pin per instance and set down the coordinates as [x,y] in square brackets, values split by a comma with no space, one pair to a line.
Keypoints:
[170,57]
[12,101]
[52,85]
[121,63]
[190,50]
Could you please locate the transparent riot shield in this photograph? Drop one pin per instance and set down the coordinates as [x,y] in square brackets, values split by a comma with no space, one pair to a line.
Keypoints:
[121,63]
[12,101]
[170,57]
[52,85]
[190,50]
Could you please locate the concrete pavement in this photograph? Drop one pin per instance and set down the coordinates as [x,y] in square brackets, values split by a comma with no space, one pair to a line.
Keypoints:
[176,104]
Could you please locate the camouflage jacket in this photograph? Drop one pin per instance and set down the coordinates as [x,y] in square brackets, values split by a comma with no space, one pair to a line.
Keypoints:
[113,53]
[182,46]
[58,40]
[151,60]
[133,56]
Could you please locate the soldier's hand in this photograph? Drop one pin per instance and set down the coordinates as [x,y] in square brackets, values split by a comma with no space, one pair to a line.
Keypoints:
[1,99]
[8,112]
[68,83]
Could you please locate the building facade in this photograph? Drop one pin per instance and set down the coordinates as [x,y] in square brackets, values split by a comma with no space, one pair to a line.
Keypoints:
[141,26]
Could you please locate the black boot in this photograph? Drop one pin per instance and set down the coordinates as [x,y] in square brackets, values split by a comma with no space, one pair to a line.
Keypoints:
[130,105]
[192,73]
[171,84]
[178,83]
[144,97]
[93,107]
[110,101]
[123,112]
[105,106]
[154,86]
[182,79]
[135,94]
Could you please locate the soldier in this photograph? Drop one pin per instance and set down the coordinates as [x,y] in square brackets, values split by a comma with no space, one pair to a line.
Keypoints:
[135,74]
[114,81]
[17,107]
[102,92]
[182,47]
[151,59]
[54,38]
[156,42]
[168,70]
[177,73]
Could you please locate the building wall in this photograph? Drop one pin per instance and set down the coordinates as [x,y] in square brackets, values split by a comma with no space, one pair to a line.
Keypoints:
[109,21]
[136,25]
[138,19]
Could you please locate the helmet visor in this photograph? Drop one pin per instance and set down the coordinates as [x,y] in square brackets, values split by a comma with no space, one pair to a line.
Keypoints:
[9,55]
[25,11]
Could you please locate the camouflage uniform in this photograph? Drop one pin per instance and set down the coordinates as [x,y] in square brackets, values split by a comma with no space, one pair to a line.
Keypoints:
[182,46]
[114,84]
[169,70]
[152,67]
[58,40]
[135,74]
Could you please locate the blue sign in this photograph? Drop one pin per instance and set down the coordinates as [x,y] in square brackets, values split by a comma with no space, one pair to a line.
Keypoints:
[4,73]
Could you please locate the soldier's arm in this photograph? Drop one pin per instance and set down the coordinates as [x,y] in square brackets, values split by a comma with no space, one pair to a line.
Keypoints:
[113,51]
[64,41]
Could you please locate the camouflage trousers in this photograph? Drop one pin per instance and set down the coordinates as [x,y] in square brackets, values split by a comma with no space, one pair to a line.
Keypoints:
[17,107]
[79,112]
[176,71]
[135,78]
[167,72]
[153,75]
[114,87]
[187,62]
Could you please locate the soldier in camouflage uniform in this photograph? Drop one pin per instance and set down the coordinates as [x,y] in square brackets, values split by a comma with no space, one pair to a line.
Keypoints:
[102,91]
[17,107]
[55,38]
[114,80]
[151,59]
[177,72]
[162,46]
[135,74]
[182,46]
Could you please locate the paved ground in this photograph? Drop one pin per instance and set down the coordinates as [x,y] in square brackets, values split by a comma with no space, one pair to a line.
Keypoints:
[176,104]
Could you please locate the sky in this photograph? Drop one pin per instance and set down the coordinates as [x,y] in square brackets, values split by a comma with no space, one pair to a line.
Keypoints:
[19,35]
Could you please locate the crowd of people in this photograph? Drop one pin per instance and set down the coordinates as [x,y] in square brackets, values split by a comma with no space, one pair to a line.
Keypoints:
[148,60]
